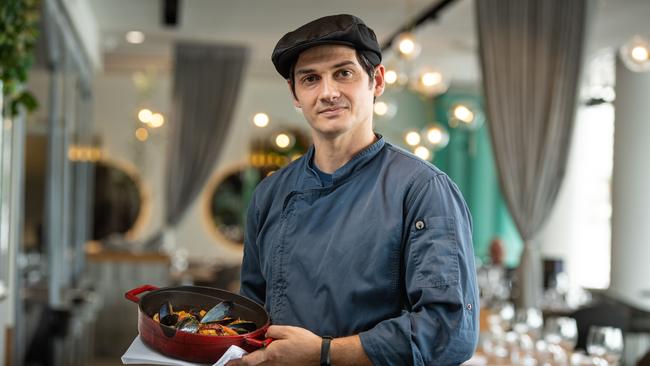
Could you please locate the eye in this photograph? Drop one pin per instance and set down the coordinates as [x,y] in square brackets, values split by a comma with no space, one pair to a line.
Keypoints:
[345,74]
[309,79]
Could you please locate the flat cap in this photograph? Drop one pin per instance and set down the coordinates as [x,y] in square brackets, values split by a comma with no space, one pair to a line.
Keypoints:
[342,29]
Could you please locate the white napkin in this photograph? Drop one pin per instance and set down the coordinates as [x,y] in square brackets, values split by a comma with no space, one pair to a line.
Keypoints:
[232,353]
[476,360]
[139,353]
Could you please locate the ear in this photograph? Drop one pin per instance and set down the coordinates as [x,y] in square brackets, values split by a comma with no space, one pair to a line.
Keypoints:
[380,82]
[296,103]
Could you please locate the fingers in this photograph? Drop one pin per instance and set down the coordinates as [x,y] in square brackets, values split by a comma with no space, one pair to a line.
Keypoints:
[278,331]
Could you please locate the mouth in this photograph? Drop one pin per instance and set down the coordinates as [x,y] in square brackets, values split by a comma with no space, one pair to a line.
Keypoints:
[332,110]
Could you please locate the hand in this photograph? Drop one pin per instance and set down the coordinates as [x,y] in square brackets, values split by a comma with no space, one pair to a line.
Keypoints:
[290,346]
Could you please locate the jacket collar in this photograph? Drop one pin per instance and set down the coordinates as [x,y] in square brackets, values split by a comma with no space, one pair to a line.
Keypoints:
[311,179]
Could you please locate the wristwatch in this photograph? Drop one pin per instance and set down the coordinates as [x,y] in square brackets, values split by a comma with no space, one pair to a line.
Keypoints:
[325,351]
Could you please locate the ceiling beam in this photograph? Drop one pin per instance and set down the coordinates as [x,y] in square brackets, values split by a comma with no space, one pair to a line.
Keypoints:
[429,14]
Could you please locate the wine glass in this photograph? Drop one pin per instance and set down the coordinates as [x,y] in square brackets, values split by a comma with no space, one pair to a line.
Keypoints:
[561,331]
[528,321]
[605,343]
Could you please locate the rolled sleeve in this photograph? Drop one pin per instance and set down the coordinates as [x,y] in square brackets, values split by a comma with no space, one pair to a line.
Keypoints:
[440,326]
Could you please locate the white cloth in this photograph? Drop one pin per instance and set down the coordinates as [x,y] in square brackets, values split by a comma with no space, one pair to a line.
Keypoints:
[139,353]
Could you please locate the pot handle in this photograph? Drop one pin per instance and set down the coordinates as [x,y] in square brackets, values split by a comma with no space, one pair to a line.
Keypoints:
[133,294]
[259,343]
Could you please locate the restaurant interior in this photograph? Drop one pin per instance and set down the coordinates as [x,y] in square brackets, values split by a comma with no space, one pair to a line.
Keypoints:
[135,131]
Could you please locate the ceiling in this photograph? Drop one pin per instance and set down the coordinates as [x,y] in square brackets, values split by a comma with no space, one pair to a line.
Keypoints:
[448,43]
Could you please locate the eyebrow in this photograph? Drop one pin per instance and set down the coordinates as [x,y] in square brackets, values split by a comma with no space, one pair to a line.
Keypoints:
[340,64]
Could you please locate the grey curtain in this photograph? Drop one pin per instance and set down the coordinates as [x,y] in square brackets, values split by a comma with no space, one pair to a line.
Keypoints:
[206,86]
[531,56]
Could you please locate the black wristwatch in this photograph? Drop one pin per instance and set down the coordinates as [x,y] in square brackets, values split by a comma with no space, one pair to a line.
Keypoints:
[325,351]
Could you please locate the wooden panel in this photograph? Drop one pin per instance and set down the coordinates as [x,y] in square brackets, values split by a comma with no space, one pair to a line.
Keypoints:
[9,346]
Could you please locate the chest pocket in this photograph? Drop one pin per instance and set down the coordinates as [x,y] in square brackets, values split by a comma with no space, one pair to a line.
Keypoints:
[434,251]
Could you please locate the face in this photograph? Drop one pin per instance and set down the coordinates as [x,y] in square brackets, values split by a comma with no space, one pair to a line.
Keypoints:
[334,91]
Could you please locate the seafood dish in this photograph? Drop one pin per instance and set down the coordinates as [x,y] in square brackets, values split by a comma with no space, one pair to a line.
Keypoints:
[218,321]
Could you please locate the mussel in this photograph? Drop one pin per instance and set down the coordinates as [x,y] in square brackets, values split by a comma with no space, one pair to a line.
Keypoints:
[167,315]
[242,326]
[219,312]
[189,324]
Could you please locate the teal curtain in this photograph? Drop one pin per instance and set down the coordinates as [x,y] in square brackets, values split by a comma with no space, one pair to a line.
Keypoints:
[469,161]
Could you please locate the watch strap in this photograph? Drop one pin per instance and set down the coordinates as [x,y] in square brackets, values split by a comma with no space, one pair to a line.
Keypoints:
[325,351]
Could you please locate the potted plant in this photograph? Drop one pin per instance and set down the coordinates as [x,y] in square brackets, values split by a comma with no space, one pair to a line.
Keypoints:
[18,33]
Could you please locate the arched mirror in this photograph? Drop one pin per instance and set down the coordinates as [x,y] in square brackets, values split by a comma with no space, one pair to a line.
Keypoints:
[118,201]
[228,200]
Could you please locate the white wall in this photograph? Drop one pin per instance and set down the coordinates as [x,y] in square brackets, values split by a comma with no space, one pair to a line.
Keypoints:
[630,197]
[580,220]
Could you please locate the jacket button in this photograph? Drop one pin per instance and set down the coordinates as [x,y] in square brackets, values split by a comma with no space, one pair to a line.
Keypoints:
[419,225]
[469,306]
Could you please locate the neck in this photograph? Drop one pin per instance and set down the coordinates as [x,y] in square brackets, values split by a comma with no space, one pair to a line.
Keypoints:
[332,153]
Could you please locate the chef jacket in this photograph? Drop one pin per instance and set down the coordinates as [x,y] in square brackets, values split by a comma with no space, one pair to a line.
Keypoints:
[384,252]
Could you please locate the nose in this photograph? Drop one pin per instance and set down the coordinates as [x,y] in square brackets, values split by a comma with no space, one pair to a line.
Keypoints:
[329,90]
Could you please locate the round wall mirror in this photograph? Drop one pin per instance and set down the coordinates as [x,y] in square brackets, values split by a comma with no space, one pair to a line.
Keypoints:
[228,200]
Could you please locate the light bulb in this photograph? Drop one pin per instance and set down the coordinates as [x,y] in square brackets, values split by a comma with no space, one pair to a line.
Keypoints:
[385,108]
[282,140]
[261,120]
[135,37]
[422,152]
[430,82]
[436,135]
[462,113]
[381,108]
[145,115]
[142,134]
[430,79]
[406,46]
[412,138]
[466,115]
[635,54]
[639,53]
[390,77]
[157,120]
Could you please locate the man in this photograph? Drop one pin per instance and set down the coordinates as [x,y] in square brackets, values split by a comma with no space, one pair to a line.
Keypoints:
[358,239]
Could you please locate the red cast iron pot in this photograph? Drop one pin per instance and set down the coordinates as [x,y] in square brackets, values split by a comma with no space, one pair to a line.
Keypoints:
[189,346]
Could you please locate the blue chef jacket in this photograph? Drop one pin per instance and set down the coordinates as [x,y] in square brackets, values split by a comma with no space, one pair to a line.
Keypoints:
[384,252]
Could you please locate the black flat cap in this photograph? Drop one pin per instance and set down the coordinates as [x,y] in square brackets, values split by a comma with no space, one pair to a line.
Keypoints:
[342,29]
